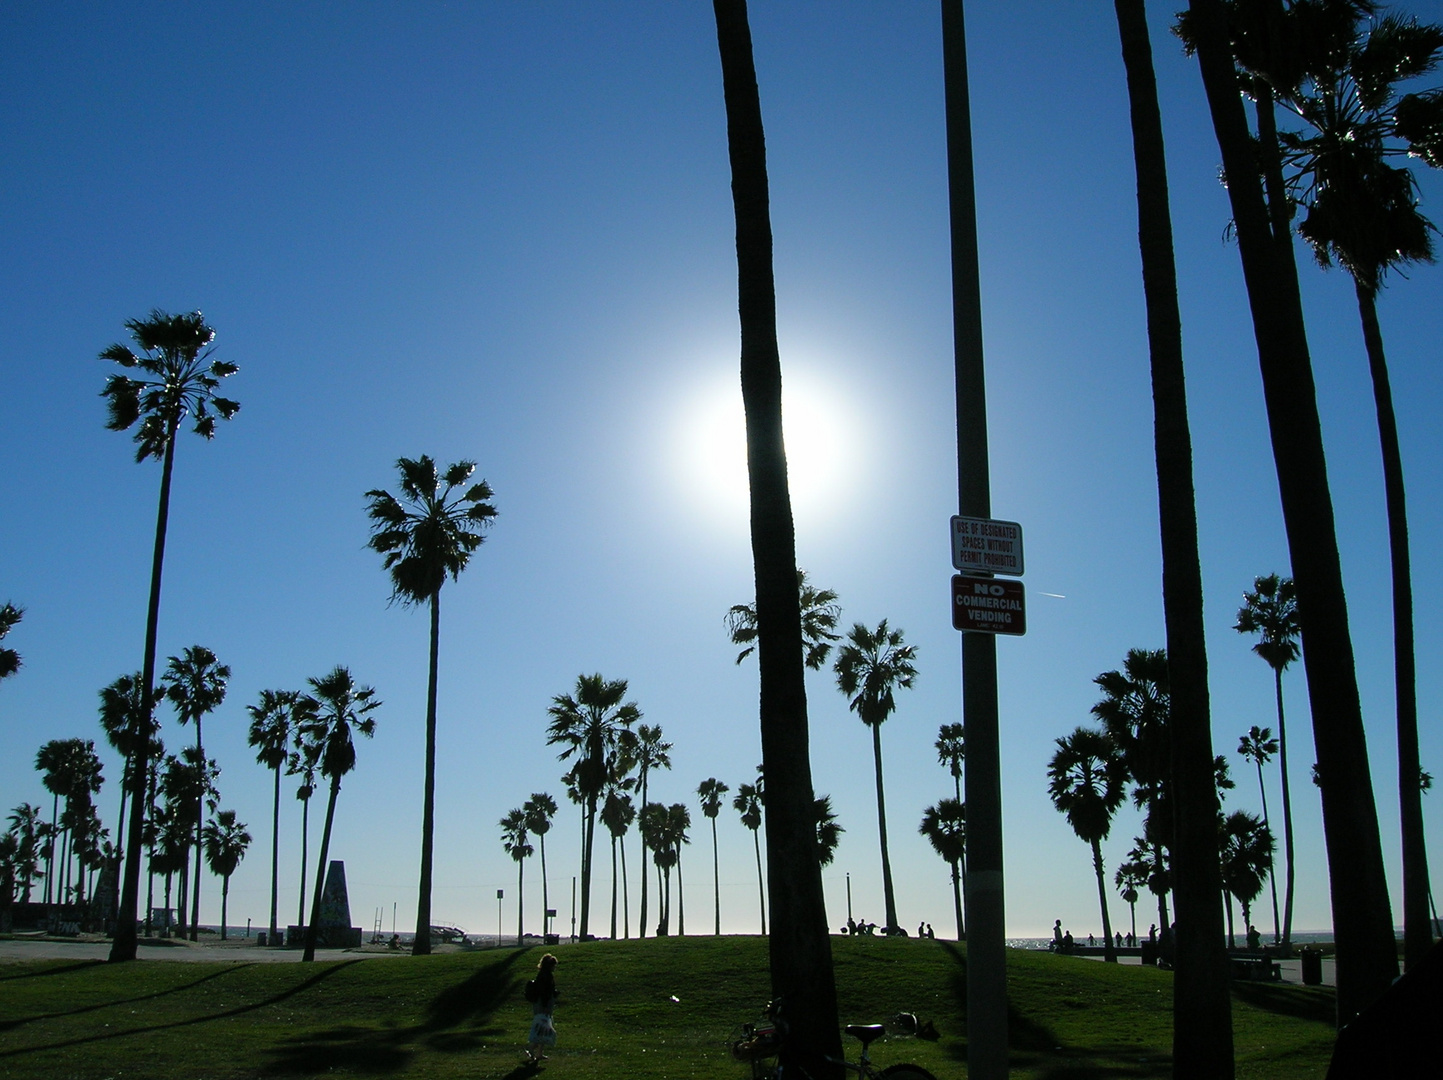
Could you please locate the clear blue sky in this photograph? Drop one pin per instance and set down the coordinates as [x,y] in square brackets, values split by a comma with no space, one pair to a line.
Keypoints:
[504,233]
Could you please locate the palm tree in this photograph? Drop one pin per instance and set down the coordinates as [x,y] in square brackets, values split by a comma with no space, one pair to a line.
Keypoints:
[801,956]
[590,724]
[748,803]
[273,722]
[1259,746]
[539,810]
[51,761]
[1086,783]
[945,827]
[617,814]
[870,668]
[26,824]
[1202,1027]
[652,823]
[195,683]
[678,821]
[226,841]
[829,831]
[710,791]
[820,612]
[1271,612]
[518,846]
[178,379]
[304,762]
[169,854]
[341,709]
[647,750]
[1129,878]
[1363,921]
[1246,846]
[9,658]
[427,535]
[951,747]
[1363,213]
[121,703]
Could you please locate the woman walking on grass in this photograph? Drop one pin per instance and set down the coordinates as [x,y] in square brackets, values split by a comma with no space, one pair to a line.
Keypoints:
[541,992]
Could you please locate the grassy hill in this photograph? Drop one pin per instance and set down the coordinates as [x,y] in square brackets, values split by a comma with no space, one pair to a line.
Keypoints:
[653,1010]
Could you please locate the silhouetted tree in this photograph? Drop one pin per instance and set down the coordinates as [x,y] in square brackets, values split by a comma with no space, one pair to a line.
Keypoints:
[1085,780]
[617,814]
[9,658]
[748,803]
[178,379]
[539,810]
[1259,746]
[820,612]
[710,791]
[647,750]
[1247,859]
[226,841]
[428,535]
[274,719]
[945,827]
[518,846]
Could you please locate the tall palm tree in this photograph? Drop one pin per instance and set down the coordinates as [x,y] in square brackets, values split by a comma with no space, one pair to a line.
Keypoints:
[195,682]
[871,668]
[1363,213]
[1202,1011]
[305,762]
[177,380]
[617,814]
[274,719]
[342,709]
[169,854]
[25,824]
[951,747]
[820,612]
[589,724]
[710,791]
[678,821]
[226,841]
[9,658]
[800,950]
[427,535]
[748,803]
[652,823]
[647,750]
[120,704]
[1271,612]
[1129,878]
[518,846]
[945,827]
[52,762]
[1085,780]
[1363,920]
[1259,746]
[1246,845]
[539,810]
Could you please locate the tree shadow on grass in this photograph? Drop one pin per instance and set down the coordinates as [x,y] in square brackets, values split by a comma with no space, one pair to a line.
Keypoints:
[1035,1046]
[59,969]
[151,1029]
[1302,1003]
[452,1025]
[10,1025]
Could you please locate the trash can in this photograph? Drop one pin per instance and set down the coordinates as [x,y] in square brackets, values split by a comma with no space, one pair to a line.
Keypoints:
[1149,954]
[261,939]
[1312,961]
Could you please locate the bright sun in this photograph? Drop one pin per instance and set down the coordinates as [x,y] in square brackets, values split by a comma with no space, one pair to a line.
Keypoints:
[821,440]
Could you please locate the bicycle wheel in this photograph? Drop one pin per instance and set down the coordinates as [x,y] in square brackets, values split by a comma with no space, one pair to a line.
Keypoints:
[905,1072]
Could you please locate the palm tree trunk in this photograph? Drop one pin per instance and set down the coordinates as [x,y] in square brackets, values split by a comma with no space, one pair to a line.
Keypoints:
[166,932]
[520,893]
[311,924]
[199,854]
[182,895]
[799,948]
[275,854]
[1202,1011]
[1272,876]
[1417,933]
[224,901]
[716,879]
[1363,921]
[123,945]
[1108,953]
[888,896]
[641,927]
[680,897]
[589,829]
[421,946]
[761,887]
[545,897]
[957,901]
[625,898]
[305,831]
[613,887]
[1232,937]
[1287,817]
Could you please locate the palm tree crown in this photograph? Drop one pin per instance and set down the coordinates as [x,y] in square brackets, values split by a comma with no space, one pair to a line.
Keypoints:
[9,658]
[1086,782]
[1271,612]
[820,612]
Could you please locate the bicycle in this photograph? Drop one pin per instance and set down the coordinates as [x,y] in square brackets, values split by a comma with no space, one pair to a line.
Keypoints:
[759,1043]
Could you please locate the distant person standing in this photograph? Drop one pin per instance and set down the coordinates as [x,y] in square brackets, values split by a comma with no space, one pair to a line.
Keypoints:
[1057,934]
[542,993]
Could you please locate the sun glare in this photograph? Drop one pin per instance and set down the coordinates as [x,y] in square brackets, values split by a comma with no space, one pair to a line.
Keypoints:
[821,440]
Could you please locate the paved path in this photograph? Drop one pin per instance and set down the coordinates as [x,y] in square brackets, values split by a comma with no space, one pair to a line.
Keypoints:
[238,950]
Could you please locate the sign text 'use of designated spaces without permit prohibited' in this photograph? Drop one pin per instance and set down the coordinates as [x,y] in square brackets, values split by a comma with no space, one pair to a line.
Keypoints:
[986,546]
[988,605]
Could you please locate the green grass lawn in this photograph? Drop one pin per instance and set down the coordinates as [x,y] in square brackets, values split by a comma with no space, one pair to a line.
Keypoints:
[653,1010]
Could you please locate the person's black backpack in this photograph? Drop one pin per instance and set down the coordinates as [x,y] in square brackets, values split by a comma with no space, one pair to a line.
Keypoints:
[533,992]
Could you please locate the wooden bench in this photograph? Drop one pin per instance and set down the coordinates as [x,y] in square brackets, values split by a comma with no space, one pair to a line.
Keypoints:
[1257,968]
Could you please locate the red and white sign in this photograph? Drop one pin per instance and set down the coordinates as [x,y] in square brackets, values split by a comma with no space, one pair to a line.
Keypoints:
[988,605]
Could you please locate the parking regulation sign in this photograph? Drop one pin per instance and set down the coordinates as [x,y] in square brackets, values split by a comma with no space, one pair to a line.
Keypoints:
[986,546]
[988,605]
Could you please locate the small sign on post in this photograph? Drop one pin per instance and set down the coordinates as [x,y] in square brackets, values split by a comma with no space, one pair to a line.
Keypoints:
[988,605]
[986,546]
